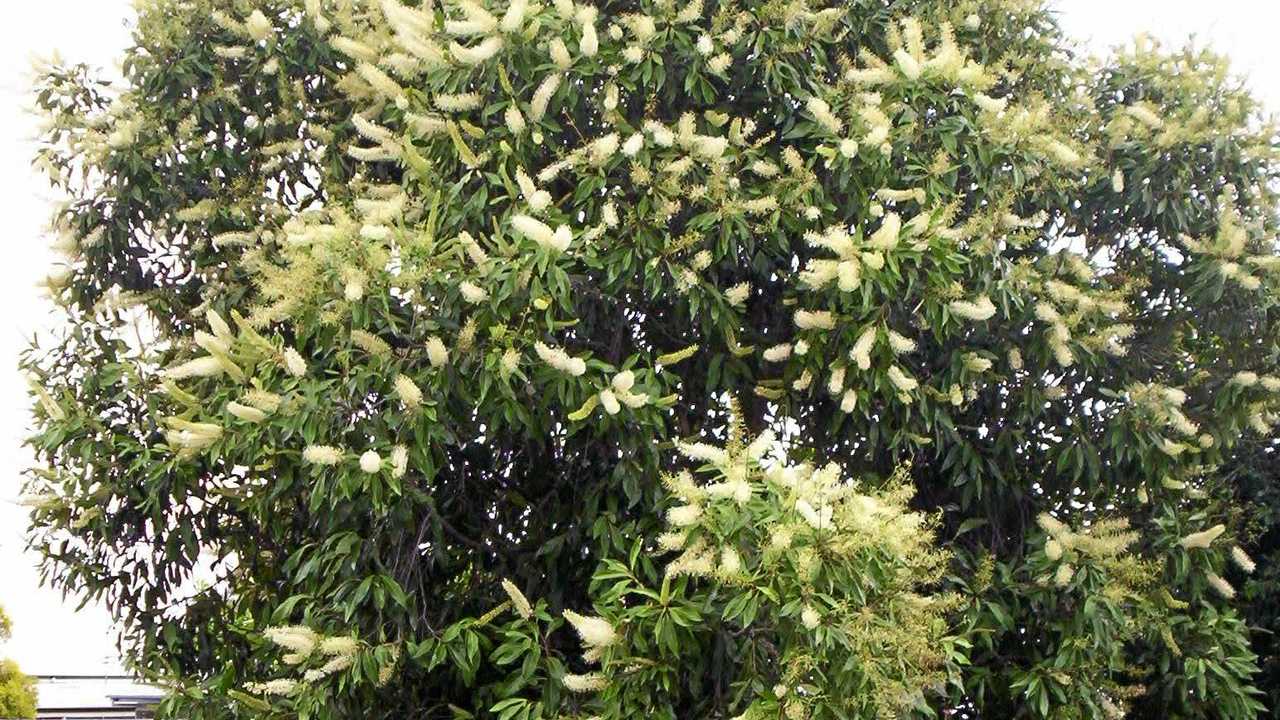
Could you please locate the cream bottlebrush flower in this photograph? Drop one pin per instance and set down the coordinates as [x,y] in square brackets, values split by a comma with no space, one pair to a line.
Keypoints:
[738,490]
[848,401]
[1053,550]
[589,43]
[472,293]
[810,618]
[294,363]
[265,401]
[538,200]
[458,103]
[835,384]
[778,353]
[399,461]
[1204,538]
[295,638]
[476,54]
[478,20]
[730,562]
[720,63]
[337,663]
[200,367]
[977,310]
[542,96]
[821,112]
[372,132]
[318,19]
[761,205]
[595,632]
[1220,586]
[1051,525]
[1245,378]
[280,686]
[353,48]
[672,541]
[860,353]
[1064,575]
[737,295]
[539,232]
[990,104]
[886,237]
[1145,115]
[560,54]
[510,361]
[370,343]
[518,600]
[602,149]
[684,515]
[353,291]
[690,11]
[382,83]
[622,384]
[1242,559]
[1062,152]
[560,360]
[437,353]
[591,682]
[818,519]
[322,455]
[513,18]
[703,452]
[259,27]
[552,171]
[370,461]
[219,327]
[633,145]
[609,214]
[191,436]
[814,320]
[1117,181]
[900,344]
[901,380]
[610,401]
[909,66]
[246,412]
[514,119]
[408,391]
[343,645]
[661,134]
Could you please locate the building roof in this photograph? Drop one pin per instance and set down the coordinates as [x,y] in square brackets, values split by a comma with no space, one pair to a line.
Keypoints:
[94,697]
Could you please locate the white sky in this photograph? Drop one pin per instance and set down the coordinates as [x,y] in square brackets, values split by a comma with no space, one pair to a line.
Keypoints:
[50,636]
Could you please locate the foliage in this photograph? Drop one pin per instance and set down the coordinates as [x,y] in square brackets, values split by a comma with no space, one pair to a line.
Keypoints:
[17,691]
[383,319]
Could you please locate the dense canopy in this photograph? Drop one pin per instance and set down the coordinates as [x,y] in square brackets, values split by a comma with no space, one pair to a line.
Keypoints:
[695,359]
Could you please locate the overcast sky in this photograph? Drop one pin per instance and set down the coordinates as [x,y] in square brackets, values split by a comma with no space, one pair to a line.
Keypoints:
[50,636]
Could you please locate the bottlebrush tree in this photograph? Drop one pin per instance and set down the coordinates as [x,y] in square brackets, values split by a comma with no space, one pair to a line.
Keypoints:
[685,358]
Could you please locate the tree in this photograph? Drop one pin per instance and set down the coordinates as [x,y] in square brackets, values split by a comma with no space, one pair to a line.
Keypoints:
[738,359]
[17,691]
